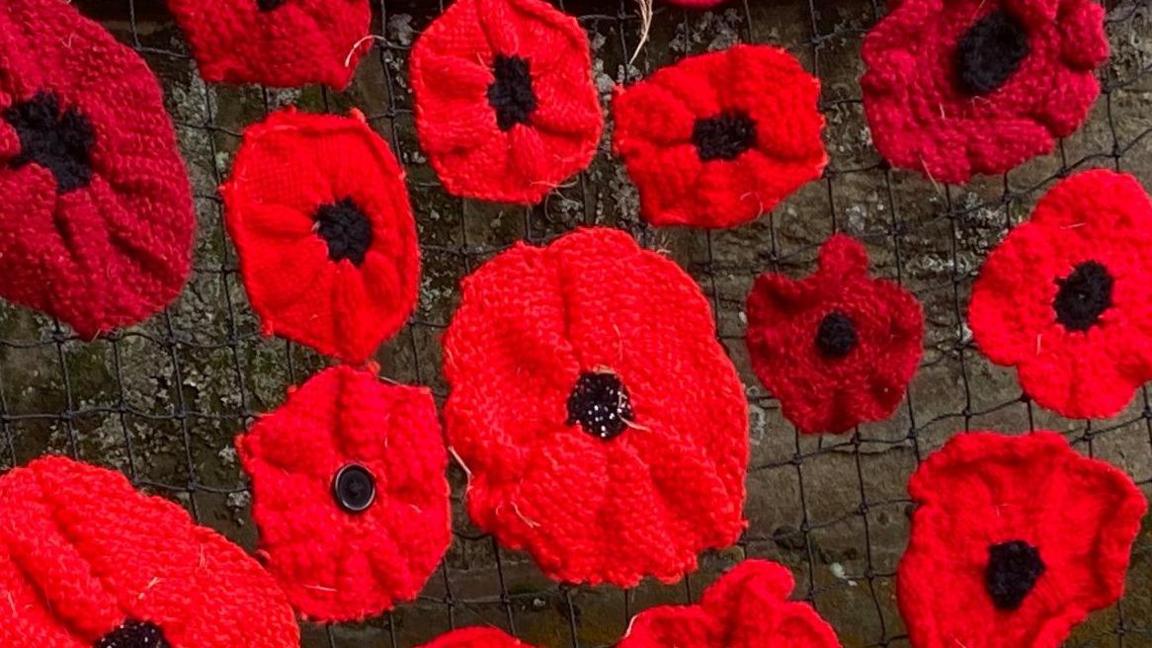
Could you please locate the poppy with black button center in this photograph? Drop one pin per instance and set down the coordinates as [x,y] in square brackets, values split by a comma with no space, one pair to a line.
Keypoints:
[603,425]
[1064,297]
[718,139]
[1015,540]
[837,348]
[318,209]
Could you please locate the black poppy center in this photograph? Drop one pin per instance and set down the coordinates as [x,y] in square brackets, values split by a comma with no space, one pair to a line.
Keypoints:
[1083,296]
[269,5]
[1012,571]
[836,335]
[599,403]
[58,140]
[990,52]
[134,634]
[511,94]
[354,488]
[723,137]
[346,230]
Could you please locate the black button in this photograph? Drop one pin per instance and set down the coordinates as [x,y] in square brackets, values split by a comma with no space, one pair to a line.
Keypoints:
[354,488]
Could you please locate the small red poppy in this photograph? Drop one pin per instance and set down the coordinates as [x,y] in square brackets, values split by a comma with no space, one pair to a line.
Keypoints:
[86,561]
[747,607]
[349,493]
[97,211]
[475,638]
[838,348]
[505,106]
[279,43]
[603,425]
[1066,297]
[957,87]
[1015,541]
[720,138]
[319,213]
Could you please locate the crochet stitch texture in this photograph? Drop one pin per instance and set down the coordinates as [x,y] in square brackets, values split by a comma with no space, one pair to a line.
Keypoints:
[475,638]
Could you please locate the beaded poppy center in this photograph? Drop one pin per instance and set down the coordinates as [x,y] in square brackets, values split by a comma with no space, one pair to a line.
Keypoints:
[354,488]
[990,52]
[724,137]
[134,634]
[836,336]
[511,94]
[60,141]
[1083,296]
[600,404]
[346,230]
[1011,574]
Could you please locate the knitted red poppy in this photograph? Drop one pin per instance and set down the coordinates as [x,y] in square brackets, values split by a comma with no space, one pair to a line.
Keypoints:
[1015,541]
[1067,297]
[838,348]
[603,425]
[280,43]
[747,607]
[96,223]
[505,106]
[319,213]
[349,493]
[86,561]
[718,139]
[957,87]
[475,638]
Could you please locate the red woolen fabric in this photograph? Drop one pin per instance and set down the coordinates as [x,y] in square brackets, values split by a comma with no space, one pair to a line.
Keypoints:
[746,608]
[983,488]
[279,43]
[334,564]
[533,324]
[289,168]
[453,70]
[475,638]
[921,118]
[82,553]
[823,393]
[657,121]
[1099,217]
[105,240]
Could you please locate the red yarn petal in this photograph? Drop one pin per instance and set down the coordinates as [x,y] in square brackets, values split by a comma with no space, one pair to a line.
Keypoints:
[475,638]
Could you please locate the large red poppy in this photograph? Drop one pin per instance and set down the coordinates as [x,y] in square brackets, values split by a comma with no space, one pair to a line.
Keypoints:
[505,106]
[603,425]
[957,87]
[280,43]
[87,561]
[319,213]
[838,348]
[1065,298]
[97,211]
[720,138]
[1015,541]
[349,493]
[747,607]
[475,638]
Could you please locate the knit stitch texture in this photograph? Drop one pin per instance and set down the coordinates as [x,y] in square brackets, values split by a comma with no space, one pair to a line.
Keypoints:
[475,638]
[349,545]
[602,424]
[97,210]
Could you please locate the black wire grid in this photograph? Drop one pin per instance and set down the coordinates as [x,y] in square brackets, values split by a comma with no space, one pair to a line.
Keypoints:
[162,401]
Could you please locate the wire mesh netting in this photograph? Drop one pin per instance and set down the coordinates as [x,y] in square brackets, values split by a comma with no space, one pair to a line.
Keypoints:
[162,401]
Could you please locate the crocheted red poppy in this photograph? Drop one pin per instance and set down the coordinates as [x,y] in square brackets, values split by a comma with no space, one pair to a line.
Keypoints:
[86,561]
[349,493]
[475,638]
[505,106]
[1067,297]
[319,213]
[747,607]
[97,211]
[718,139]
[603,425]
[1015,541]
[838,348]
[280,43]
[957,87]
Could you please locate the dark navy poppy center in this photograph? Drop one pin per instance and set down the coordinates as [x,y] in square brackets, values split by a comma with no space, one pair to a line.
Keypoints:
[134,634]
[56,139]
[836,336]
[990,52]
[599,403]
[511,94]
[724,137]
[1011,574]
[354,488]
[346,230]
[1083,296]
